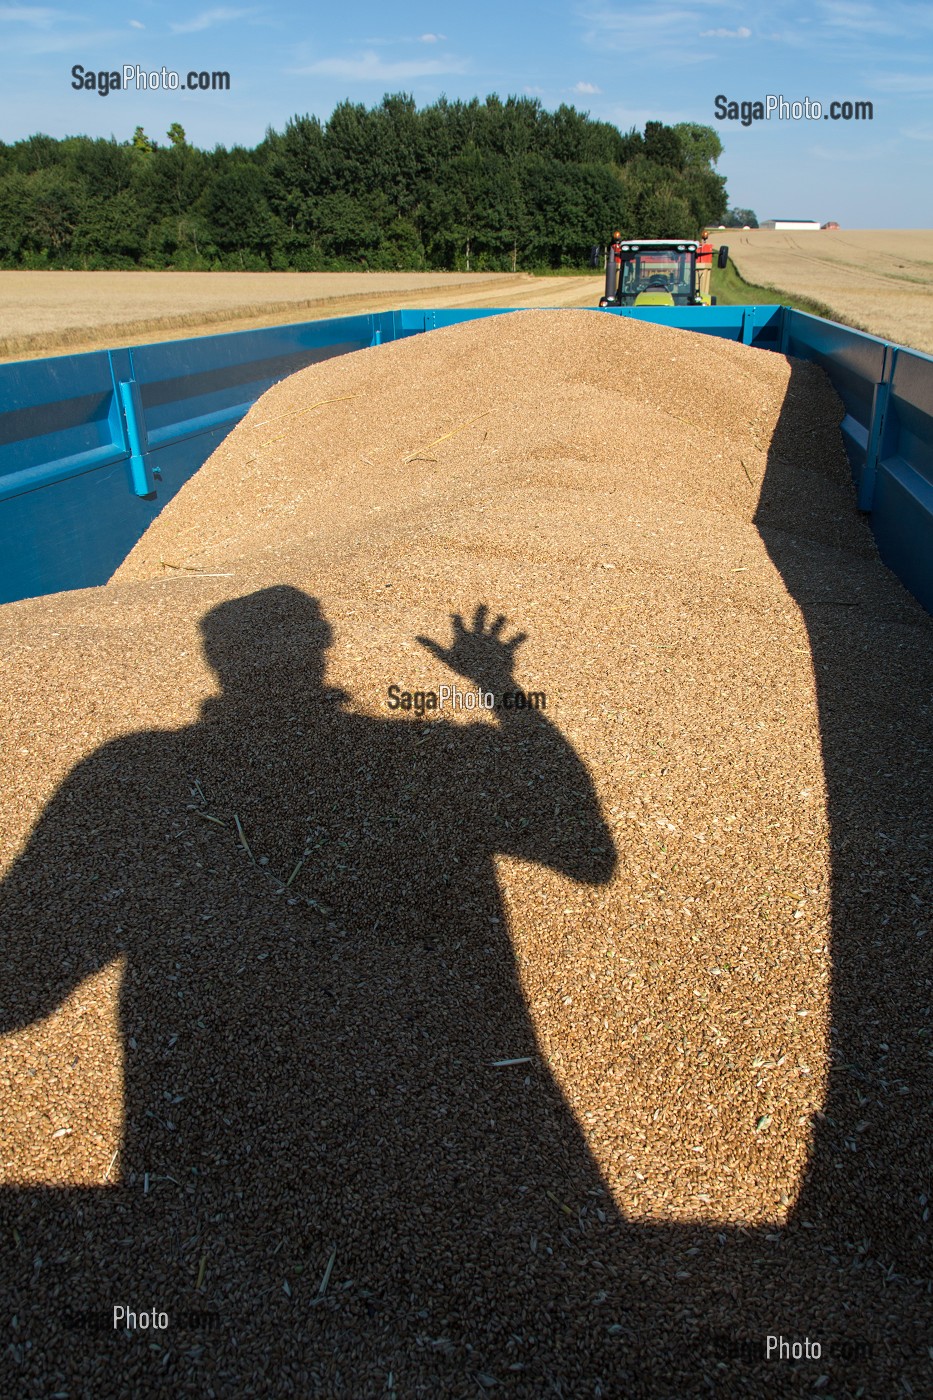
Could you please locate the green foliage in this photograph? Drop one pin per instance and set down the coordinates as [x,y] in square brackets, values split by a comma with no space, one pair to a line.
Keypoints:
[700,144]
[110,232]
[730,289]
[481,185]
[15,209]
[663,146]
[740,218]
[52,213]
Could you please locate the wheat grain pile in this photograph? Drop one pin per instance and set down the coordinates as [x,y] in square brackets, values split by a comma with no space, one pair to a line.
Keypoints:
[545,1052]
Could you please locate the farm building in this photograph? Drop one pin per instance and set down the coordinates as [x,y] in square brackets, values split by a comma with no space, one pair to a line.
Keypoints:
[791,225]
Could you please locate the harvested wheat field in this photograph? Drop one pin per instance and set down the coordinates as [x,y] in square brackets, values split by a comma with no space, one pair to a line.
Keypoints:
[880,280]
[563,1051]
[55,313]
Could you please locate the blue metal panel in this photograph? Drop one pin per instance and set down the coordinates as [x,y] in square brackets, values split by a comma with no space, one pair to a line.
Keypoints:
[92,446]
[58,418]
[430,320]
[856,365]
[754,325]
[191,386]
[141,474]
[71,534]
[158,411]
[902,518]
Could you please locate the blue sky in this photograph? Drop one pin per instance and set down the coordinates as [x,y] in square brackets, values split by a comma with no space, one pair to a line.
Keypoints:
[624,63]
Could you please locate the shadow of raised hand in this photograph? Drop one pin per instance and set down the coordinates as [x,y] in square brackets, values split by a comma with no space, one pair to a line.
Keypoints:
[478,654]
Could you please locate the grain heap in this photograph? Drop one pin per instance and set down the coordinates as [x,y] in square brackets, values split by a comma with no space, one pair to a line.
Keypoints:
[329,925]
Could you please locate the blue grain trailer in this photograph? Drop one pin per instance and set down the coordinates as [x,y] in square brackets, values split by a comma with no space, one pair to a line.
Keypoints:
[93,446]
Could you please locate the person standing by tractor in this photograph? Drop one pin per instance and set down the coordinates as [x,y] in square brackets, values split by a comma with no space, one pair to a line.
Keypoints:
[704,267]
[613,264]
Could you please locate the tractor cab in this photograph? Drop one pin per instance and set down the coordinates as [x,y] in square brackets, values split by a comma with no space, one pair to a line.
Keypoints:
[652,272]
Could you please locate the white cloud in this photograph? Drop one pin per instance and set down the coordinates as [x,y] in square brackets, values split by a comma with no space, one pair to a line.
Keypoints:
[862,21]
[136,24]
[589,89]
[655,32]
[381,42]
[858,19]
[902,82]
[208,18]
[44,30]
[741,33]
[533,91]
[877,152]
[369,68]
[37,15]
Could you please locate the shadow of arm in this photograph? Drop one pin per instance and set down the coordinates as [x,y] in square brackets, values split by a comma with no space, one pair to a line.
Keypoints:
[58,920]
[548,807]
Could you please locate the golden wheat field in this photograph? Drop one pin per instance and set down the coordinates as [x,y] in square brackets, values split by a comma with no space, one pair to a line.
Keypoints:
[878,279]
[48,313]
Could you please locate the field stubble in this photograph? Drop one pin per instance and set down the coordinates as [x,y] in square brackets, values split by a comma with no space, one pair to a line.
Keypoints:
[878,280]
[55,313]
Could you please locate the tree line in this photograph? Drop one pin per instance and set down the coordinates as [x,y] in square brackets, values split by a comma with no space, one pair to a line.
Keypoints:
[741,218]
[476,186]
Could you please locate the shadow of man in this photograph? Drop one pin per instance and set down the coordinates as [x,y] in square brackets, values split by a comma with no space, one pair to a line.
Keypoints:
[866,1274]
[318,1146]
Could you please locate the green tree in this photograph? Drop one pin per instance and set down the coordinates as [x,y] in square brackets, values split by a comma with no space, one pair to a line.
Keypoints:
[349,144]
[666,214]
[15,213]
[110,232]
[663,146]
[297,176]
[462,215]
[350,228]
[102,169]
[633,145]
[239,216]
[182,241]
[497,184]
[701,145]
[705,192]
[568,209]
[38,153]
[52,215]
